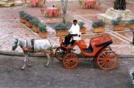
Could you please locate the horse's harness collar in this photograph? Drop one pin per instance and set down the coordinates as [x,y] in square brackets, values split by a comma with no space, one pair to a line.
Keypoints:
[27,48]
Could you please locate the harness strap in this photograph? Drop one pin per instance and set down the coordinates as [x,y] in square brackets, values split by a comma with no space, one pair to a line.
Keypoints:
[50,45]
[32,45]
[27,47]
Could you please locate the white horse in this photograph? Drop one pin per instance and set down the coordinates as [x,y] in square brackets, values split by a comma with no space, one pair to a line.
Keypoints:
[32,46]
[131,73]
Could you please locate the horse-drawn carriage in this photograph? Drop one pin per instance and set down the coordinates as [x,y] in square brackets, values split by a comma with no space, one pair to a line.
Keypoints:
[98,48]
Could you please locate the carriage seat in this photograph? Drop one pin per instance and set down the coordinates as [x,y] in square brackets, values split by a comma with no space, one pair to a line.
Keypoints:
[89,49]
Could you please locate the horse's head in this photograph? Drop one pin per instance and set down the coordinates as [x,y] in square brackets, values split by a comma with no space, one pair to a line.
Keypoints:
[15,44]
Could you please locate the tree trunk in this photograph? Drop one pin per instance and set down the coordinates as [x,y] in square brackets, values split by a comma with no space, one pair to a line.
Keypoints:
[64,4]
[120,4]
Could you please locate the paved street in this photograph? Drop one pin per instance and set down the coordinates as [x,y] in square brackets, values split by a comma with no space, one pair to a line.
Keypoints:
[55,76]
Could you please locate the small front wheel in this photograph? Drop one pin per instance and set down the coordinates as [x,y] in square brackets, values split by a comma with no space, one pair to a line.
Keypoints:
[59,53]
[70,61]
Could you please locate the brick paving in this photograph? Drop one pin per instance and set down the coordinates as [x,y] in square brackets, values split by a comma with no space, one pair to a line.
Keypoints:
[11,28]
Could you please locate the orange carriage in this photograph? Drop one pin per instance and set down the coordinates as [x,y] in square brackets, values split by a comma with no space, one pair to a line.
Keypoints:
[98,48]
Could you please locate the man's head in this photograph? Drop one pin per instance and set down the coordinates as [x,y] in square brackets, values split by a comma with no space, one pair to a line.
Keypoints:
[74,22]
[53,6]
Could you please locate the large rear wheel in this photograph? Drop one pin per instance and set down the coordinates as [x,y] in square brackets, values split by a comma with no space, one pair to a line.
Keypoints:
[107,59]
[70,61]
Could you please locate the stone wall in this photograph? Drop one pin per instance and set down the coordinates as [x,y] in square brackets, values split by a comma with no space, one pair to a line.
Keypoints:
[8,3]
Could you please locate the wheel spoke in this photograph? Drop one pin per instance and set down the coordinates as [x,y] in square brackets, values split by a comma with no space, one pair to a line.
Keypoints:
[107,59]
[70,61]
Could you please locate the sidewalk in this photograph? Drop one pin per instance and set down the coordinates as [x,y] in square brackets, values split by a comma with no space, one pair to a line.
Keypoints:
[11,28]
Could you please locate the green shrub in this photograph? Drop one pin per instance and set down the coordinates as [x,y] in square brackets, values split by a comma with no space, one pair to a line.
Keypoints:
[98,23]
[42,27]
[23,14]
[81,24]
[117,21]
[60,26]
[131,21]
[35,21]
[29,17]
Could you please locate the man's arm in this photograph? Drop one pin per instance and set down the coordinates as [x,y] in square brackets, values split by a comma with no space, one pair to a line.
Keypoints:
[70,30]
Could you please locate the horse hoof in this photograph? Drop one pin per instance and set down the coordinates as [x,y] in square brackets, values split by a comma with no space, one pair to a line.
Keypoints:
[46,66]
[22,68]
[29,65]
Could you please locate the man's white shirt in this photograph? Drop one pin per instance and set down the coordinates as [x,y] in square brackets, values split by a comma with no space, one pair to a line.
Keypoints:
[75,29]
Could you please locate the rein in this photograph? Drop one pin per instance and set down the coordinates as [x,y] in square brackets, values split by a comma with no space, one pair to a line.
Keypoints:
[51,48]
[27,48]
[50,45]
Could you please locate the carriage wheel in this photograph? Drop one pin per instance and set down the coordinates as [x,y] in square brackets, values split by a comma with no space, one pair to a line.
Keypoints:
[70,61]
[107,60]
[59,53]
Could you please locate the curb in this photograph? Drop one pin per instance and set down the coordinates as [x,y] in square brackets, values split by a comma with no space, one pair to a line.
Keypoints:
[20,54]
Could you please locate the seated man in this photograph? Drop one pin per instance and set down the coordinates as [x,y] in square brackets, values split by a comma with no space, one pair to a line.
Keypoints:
[74,34]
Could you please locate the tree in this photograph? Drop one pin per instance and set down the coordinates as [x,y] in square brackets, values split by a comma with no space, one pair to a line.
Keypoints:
[64,5]
[120,4]
[42,3]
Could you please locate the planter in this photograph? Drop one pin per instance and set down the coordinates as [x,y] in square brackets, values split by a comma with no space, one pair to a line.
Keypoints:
[83,30]
[130,26]
[22,20]
[119,27]
[28,24]
[61,33]
[43,34]
[99,30]
[35,29]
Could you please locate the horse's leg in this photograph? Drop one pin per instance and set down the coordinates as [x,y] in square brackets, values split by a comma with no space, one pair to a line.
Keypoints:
[48,59]
[25,61]
[29,63]
[52,60]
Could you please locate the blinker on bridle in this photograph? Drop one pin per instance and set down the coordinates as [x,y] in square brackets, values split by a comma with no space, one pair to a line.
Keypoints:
[16,41]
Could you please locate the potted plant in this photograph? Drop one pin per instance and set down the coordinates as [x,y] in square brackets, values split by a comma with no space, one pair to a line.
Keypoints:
[98,26]
[22,15]
[130,24]
[82,28]
[118,24]
[28,23]
[61,29]
[35,21]
[43,32]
